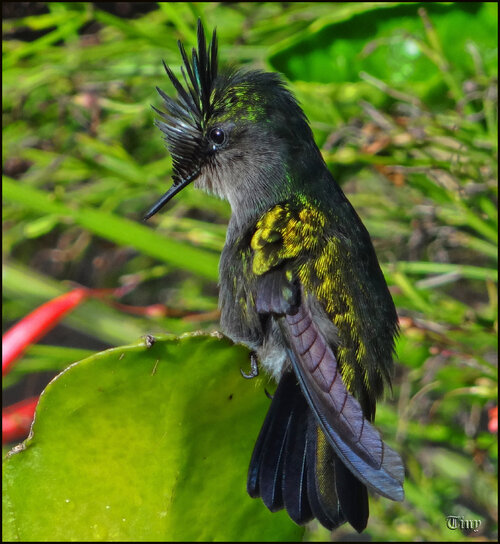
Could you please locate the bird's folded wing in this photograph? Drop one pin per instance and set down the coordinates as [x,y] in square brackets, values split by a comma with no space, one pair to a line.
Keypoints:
[352,436]
[284,236]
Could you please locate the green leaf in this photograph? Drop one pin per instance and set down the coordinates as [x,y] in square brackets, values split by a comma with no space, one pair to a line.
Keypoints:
[29,289]
[144,444]
[118,229]
[384,39]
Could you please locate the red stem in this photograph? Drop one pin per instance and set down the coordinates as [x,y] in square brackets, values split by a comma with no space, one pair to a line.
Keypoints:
[17,418]
[37,324]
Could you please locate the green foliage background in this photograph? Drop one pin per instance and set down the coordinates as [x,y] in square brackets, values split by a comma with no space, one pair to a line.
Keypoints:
[403,104]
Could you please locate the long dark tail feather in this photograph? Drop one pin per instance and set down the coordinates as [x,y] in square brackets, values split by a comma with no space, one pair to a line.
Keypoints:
[352,495]
[321,488]
[266,465]
[294,478]
[294,467]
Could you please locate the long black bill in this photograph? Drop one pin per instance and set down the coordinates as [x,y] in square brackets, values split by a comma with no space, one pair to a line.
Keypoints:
[176,187]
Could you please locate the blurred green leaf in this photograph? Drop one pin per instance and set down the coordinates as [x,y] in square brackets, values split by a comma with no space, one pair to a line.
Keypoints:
[118,229]
[383,38]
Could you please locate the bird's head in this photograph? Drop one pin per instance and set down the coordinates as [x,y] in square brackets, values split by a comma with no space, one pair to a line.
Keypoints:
[233,133]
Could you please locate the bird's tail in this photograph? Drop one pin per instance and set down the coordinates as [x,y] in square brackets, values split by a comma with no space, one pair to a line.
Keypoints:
[294,467]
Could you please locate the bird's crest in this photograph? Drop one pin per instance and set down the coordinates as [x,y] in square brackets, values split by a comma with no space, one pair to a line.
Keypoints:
[187,115]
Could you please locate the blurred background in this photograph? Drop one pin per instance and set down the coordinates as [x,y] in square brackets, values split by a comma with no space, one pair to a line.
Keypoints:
[402,99]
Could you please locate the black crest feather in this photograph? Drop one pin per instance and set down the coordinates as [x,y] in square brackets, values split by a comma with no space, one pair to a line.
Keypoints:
[185,119]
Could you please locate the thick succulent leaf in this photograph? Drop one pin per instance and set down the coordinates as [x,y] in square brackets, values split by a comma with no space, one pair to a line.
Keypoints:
[143,443]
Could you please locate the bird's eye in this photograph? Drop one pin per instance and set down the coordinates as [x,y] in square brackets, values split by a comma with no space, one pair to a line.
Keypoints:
[217,136]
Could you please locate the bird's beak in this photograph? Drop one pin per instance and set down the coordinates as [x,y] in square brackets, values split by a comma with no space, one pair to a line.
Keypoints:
[176,187]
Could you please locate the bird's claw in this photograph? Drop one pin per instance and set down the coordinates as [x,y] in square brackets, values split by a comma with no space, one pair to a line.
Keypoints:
[254,365]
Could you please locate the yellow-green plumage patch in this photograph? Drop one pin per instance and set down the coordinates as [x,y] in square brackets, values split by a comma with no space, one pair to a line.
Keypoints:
[295,235]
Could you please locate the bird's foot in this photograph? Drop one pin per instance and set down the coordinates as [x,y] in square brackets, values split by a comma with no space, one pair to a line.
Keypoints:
[254,365]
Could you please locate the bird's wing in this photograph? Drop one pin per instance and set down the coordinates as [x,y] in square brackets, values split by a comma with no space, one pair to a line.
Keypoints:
[285,242]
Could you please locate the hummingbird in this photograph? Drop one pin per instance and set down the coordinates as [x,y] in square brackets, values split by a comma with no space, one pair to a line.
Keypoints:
[300,285]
